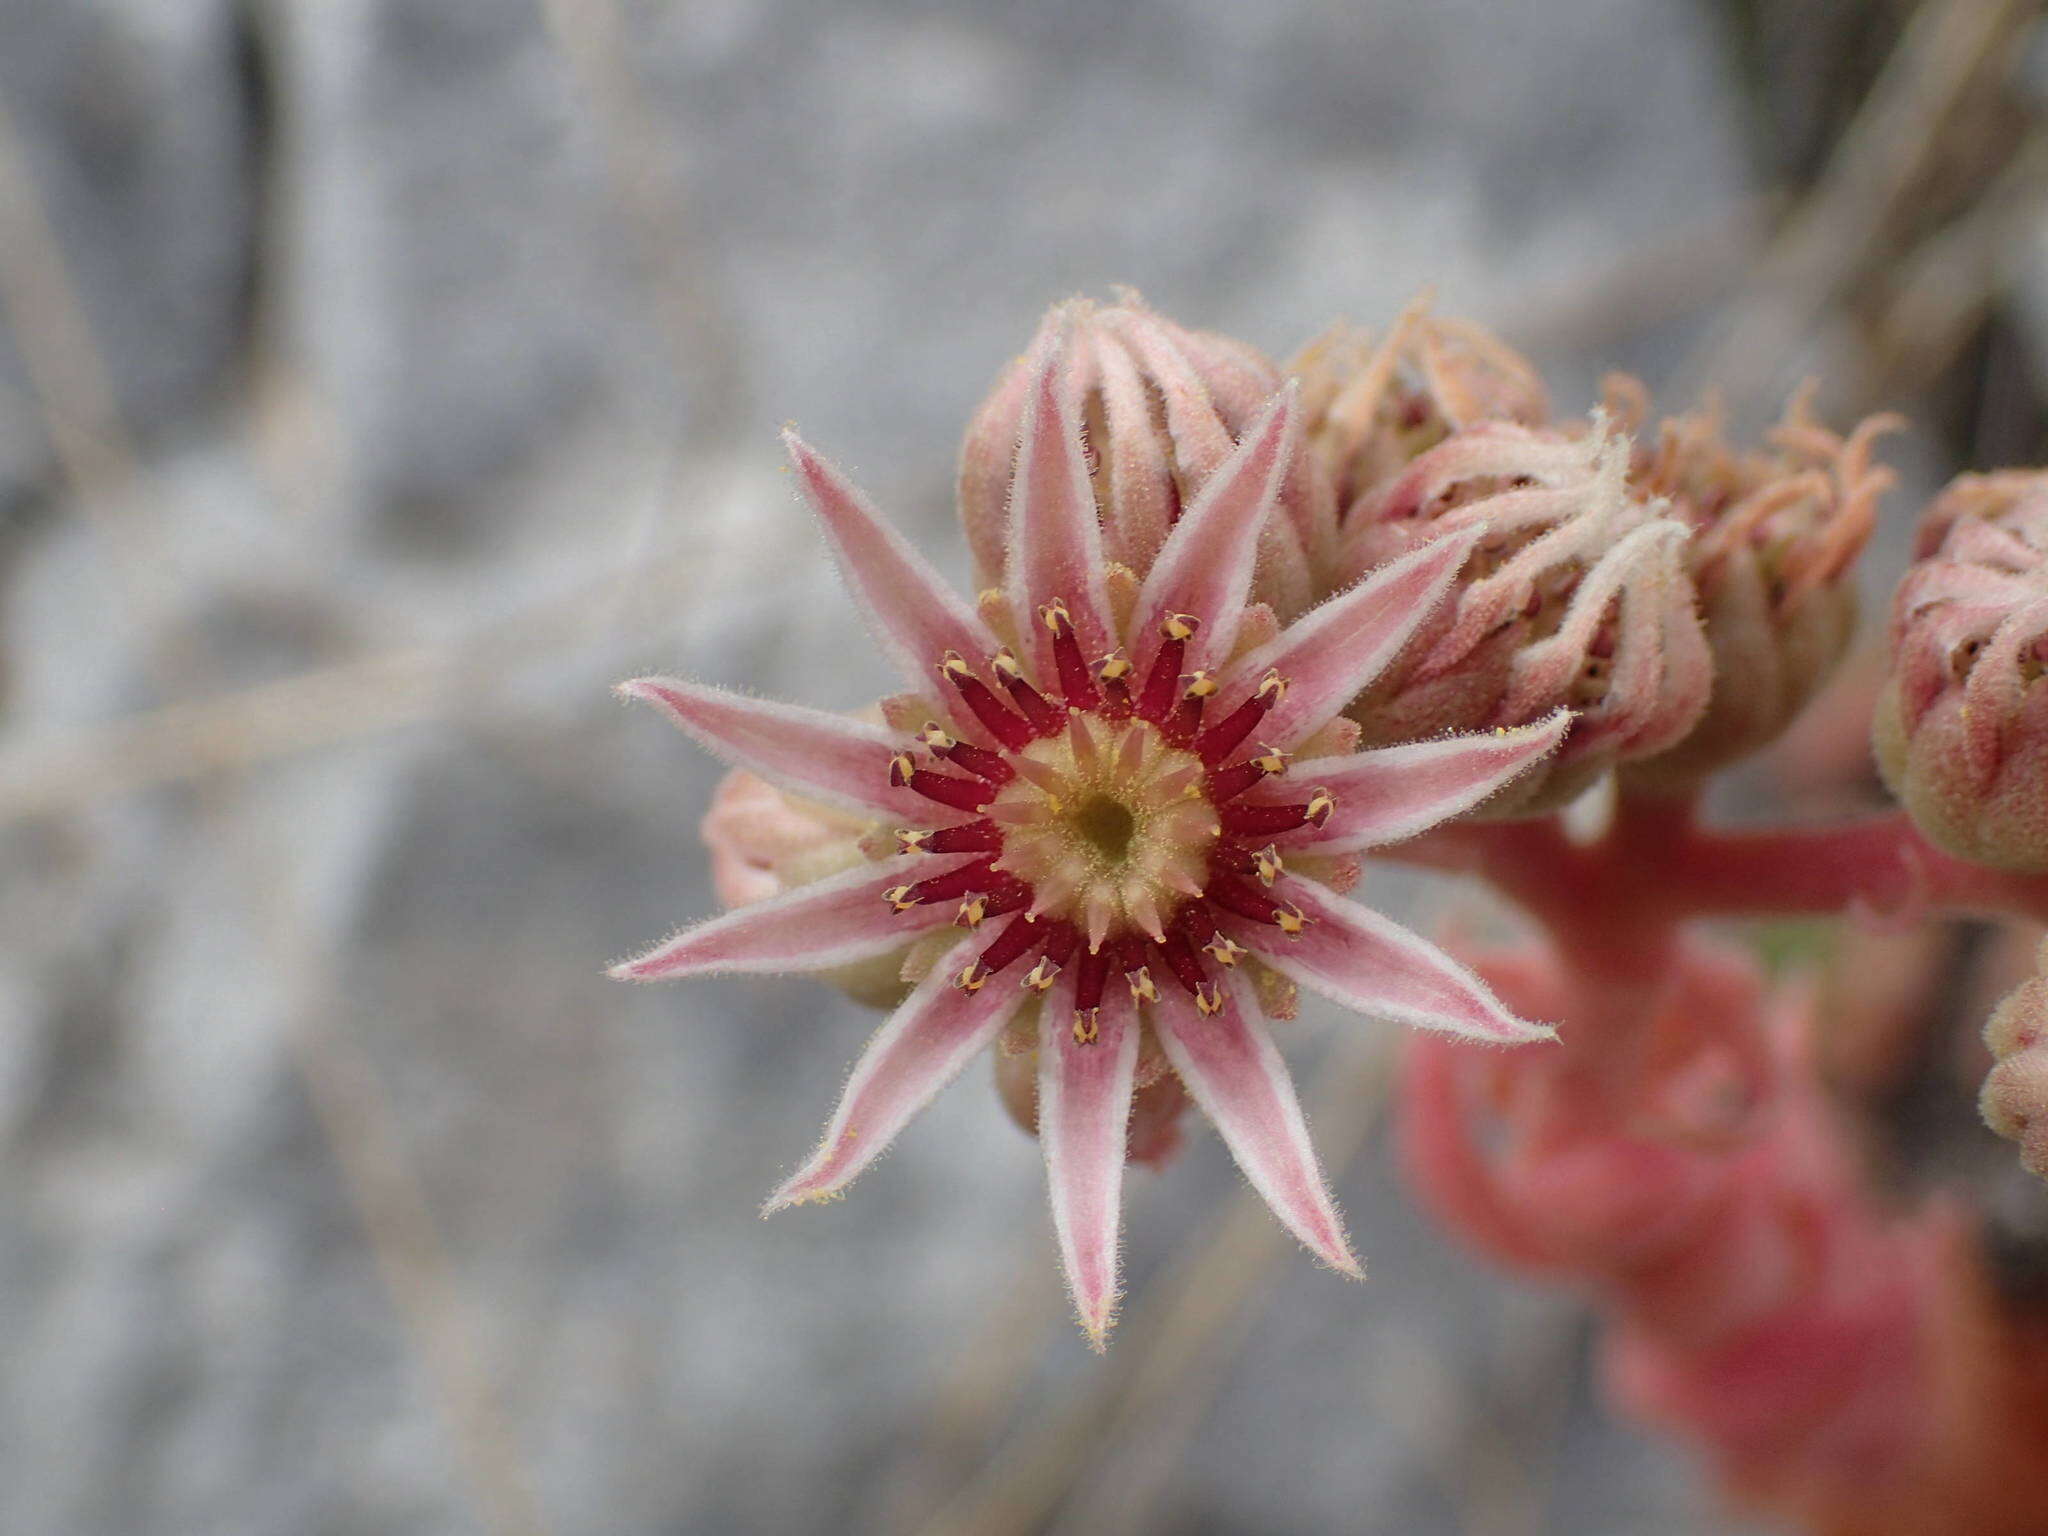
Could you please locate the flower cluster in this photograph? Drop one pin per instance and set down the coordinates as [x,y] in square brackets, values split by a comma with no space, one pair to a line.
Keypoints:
[1236,632]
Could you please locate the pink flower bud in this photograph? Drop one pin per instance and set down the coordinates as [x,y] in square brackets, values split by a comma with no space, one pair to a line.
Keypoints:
[764,843]
[2015,1096]
[1162,407]
[1372,408]
[1962,728]
[1774,537]
[1577,596]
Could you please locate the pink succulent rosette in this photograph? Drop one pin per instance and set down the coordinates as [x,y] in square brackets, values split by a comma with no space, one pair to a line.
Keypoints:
[1961,730]
[1774,539]
[1576,598]
[1161,408]
[1106,805]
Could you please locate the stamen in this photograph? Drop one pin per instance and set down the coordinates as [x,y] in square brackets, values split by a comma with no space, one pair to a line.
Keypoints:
[899,898]
[961,794]
[1164,678]
[1187,715]
[1044,715]
[969,837]
[1181,960]
[979,761]
[972,913]
[1142,989]
[1209,999]
[1217,742]
[1234,781]
[956,882]
[973,976]
[1087,1025]
[1235,896]
[1076,681]
[1060,943]
[1003,723]
[1088,984]
[1011,944]
[1266,864]
[1265,820]
[1225,950]
[1273,760]
[1114,672]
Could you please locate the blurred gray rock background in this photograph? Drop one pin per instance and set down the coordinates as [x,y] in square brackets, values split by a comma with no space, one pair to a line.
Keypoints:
[379,380]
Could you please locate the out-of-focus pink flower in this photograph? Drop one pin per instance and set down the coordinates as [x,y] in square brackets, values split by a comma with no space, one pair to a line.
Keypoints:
[1774,537]
[1106,802]
[1962,727]
[1162,408]
[2015,1097]
[1576,598]
[1372,405]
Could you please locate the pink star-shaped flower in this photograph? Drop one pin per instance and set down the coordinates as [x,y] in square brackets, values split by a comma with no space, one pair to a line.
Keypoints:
[1107,801]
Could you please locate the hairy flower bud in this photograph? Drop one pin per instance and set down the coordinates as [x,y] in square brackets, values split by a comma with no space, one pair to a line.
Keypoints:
[2015,1097]
[1373,406]
[1961,730]
[1162,408]
[1576,597]
[764,842]
[1775,535]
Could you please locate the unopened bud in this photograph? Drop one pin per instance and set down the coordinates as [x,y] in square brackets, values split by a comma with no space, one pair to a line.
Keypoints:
[1374,404]
[1162,407]
[1577,598]
[1961,730]
[1775,536]
[2015,1096]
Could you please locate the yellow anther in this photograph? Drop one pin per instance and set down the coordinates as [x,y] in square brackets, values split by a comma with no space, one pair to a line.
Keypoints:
[953,664]
[1179,626]
[899,898]
[1272,687]
[1271,760]
[971,912]
[972,977]
[1226,950]
[1054,616]
[1142,990]
[901,767]
[1320,804]
[1005,662]
[1291,921]
[1208,999]
[1087,1026]
[1039,977]
[1200,684]
[935,738]
[1114,667]
[908,840]
[1266,864]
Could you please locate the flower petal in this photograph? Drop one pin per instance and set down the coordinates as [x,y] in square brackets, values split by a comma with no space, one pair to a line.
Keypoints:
[1230,1065]
[830,922]
[1332,652]
[1055,551]
[1372,965]
[828,757]
[1385,794]
[1205,568]
[936,1031]
[1084,1112]
[914,612]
